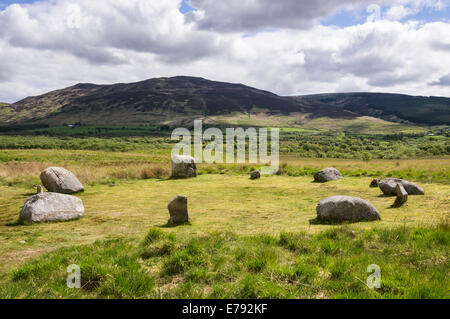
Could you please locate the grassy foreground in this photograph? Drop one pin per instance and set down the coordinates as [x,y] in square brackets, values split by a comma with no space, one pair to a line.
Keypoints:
[330,264]
[246,239]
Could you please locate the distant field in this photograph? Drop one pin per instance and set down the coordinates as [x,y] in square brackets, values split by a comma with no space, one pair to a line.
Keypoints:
[359,125]
[302,142]
[293,122]
[363,125]
[93,167]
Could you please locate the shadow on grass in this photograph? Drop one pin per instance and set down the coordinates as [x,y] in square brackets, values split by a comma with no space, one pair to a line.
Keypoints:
[394,206]
[171,178]
[170,225]
[17,222]
[318,221]
[20,222]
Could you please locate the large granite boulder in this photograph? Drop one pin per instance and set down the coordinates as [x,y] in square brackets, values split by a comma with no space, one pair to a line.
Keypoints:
[327,174]
[184,166]
[51,207]
[178,210]
[346,208]
[389,187]
[60,180]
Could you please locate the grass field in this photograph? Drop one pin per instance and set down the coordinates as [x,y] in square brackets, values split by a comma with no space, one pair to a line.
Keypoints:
[246,239]
[360,125]
[223,204]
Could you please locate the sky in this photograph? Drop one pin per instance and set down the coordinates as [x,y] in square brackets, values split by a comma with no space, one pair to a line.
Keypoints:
[289,47]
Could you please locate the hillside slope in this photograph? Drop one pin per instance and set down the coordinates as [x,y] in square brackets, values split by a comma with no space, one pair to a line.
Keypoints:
[179,100]
[392,107]
[151,101]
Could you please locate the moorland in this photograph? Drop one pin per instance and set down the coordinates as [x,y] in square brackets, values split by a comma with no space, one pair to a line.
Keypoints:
[246,238]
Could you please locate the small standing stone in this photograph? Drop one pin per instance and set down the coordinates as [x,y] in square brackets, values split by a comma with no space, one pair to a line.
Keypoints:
[402,196]
[184,166]
[39,189]
[255,174]
[374,182]
[178,210]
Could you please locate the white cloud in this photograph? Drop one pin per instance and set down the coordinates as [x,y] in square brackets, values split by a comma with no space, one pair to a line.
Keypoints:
[240,15]
[139,25]
[118,41]
[399,12]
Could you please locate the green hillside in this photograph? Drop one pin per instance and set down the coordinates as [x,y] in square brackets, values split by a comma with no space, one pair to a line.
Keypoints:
[179,100]
[393,107]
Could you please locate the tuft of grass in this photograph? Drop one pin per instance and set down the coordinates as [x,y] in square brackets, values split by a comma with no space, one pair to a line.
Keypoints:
[153,235]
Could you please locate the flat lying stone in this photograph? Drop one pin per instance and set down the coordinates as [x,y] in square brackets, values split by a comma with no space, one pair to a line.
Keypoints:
[346,208]
[389,187]
[327,174]
[51,207]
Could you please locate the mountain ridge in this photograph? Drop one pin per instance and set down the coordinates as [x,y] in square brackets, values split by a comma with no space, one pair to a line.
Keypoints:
[169,100]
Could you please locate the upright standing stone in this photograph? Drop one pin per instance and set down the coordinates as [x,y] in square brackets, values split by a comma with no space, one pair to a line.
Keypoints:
[60,180]
[402,196]
[39,189]
[184,166]
[178,210]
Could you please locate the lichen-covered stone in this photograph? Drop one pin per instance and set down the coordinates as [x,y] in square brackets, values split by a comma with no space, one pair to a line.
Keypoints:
[51,207]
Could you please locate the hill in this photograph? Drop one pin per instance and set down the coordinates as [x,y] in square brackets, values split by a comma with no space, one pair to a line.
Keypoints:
[178,100]
[392,107]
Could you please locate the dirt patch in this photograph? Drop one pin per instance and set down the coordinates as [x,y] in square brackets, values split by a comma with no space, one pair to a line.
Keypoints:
[20,256]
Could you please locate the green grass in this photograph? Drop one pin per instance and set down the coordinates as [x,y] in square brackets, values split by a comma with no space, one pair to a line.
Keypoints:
[362,125]
[329,264]
[217,203]
[87,131]
[301,142]
[248,239]
[358,125]
[366,147]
